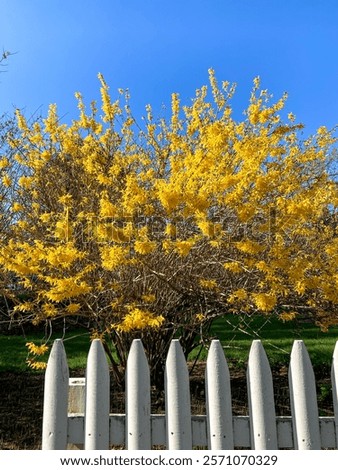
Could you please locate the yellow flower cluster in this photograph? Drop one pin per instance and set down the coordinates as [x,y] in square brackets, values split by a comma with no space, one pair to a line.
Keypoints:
[208,283]
[35,351]
[201,317]
[143,247]
[36,365]
[113,256]
[60,289]
[265,301]
[138,319]
[288,316]
[238,295]
[149,298]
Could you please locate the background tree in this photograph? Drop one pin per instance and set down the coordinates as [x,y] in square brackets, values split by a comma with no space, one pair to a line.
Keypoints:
[155,231]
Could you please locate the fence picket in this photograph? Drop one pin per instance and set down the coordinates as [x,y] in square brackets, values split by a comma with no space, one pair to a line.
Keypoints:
[263,429]
[334,380]
[55,406]
[177,399]
[138,431]
[95,428]
[303,399]
[218,400]
[97,399]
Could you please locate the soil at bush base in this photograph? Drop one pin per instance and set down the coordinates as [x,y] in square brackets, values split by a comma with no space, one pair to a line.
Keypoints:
[21,402]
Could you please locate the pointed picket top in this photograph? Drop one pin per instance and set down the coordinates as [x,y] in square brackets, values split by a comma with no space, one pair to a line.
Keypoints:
[138,430]
[218,399]
[177,399]
[261,399]
[334,380]
[303,398]
[97,399]
[55,407]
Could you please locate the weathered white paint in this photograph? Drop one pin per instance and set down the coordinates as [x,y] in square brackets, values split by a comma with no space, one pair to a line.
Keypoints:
[334,380]
[138,433]
[218,399]
[177,399]
[303,399]
[97,399]
[177,428]
[261,399]
[54,426]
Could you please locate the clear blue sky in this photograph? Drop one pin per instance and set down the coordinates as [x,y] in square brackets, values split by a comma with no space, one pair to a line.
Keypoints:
[157,47]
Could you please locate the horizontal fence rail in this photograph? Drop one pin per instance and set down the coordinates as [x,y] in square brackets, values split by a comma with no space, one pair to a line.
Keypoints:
[76,411]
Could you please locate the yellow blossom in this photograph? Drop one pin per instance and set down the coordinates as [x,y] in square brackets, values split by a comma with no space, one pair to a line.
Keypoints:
[144,247]
[16,207]
[37,350]
[113,256]
[66,199]
[4,163]
[171,230]
[233,266]
[36,365]
[108,232]
[137,319]
[249,246]
[209,229]
[238,295]
[25,181]
[208,283]
[24,307]
[168,196]
[148,298]
[265,301]
[63,229]
[62,289]
[287,316]
[107,209]
[7,181]
[200,317]
[73,308]
[183,247]
[64,255]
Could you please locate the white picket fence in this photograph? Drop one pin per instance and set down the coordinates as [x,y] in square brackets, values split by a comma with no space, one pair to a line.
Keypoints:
[96,428]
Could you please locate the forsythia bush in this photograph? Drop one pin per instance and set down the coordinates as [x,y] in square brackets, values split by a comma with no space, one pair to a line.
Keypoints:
[155,230]
[8,180]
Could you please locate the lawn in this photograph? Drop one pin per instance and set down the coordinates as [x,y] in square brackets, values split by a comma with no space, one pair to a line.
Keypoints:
[13,350]
[235,333]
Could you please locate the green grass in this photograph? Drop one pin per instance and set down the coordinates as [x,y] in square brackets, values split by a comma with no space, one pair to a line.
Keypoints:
[13,350]
[235,333]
